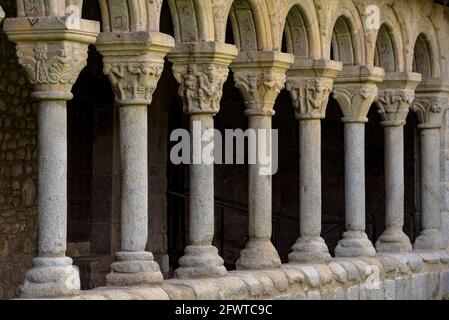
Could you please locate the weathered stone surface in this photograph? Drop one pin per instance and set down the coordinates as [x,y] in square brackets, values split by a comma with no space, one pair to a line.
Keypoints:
[419,286]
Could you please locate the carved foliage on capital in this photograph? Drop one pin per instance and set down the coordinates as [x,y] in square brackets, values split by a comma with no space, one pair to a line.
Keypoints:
[394,104]
[260,89]
[430,110]
[355,99]
[310,96]
[56,63]
[201,86]
[133,82]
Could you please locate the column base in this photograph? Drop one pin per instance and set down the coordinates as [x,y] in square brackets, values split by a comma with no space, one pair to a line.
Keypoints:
[134,268]
[258,255]
[355,244]
[51,277]
[431,239]
[200,262]
[394,240]
[309,250]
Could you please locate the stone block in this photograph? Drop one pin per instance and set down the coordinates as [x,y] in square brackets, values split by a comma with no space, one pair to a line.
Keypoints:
[389,289]
[313,295]
[419,284]
[353,293]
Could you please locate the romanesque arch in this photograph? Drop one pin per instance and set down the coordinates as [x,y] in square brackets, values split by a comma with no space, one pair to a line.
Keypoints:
[301,30]
[386,52]
[250,25]
[389,51]
[128,15]
[423,57]
[347,43]
[192,20]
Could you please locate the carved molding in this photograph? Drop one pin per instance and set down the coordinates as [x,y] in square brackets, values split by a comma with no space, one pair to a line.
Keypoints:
[355,99]
[310,96]
[52,63]
[133,82]
[259,89]
[201,86]
[430,109]
[394,105]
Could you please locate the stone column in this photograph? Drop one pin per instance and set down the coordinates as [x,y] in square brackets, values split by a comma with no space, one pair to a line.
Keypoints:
[310,83]
[53,56]
[430,105]
[355,90]
[260,76]
[396,94]
[201,69]
[134,61]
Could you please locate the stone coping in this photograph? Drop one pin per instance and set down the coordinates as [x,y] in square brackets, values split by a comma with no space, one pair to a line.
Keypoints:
[419,276]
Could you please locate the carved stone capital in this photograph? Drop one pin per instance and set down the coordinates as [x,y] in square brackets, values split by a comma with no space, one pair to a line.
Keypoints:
[201,69]
[52,63]
[430,109]
[396,93]
[260,76]
[355,89]
[52,53]
[355,100]
[133,62]
[310,82]
[393,105]
[310,96]
[201,86]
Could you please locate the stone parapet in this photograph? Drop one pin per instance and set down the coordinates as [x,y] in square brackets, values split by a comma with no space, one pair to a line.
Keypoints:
[414,276]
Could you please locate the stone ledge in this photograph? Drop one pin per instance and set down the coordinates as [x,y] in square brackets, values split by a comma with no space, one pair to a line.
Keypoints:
[417,276]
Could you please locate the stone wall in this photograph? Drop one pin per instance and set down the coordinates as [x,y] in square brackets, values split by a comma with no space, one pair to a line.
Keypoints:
[18,169]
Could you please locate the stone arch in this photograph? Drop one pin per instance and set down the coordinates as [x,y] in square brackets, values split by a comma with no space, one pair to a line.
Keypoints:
[250,25]
[386,53]
[130,15]
[301,30]
[390,35]
[348,40]
[343,45]
[193,20]
[425,61]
